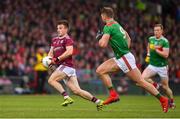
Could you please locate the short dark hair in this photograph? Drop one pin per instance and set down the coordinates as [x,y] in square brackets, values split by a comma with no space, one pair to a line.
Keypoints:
[64,22]
[159,25]
[108,11]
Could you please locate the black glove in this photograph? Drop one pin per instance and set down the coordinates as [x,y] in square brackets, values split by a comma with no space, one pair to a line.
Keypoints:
[99,35]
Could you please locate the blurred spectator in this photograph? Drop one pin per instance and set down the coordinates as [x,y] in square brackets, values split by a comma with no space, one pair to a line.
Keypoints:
[122,88]
[5,85]
[41,72]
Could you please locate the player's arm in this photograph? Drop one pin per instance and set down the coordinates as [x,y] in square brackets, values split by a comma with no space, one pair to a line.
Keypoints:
[148,54]
[148,50]
[128,39]
[164,53]
[67,53]
[103,42]
[50,53]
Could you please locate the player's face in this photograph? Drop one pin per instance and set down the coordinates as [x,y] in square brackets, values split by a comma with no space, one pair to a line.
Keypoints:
[61,30]
[103,17]
[158,32]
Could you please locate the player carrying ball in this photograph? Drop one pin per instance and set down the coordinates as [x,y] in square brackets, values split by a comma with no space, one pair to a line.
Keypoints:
[61,52]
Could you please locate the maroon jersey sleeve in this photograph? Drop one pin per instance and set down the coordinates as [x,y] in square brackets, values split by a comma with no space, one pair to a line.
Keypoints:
[69,42]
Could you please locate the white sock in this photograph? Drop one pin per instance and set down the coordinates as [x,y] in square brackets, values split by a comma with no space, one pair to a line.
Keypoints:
[97,101]
[67,96]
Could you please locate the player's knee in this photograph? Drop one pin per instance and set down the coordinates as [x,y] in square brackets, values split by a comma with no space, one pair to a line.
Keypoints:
[50,81]
[76,91]
[99,71]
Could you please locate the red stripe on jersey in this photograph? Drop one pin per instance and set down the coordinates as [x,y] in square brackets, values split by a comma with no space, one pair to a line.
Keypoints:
[127,63]
[111,23]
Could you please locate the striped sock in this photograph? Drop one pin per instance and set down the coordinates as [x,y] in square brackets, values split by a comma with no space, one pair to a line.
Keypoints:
[95,100]
[64,94]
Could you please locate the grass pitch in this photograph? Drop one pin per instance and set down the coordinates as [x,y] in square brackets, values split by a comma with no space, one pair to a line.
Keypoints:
[49,106]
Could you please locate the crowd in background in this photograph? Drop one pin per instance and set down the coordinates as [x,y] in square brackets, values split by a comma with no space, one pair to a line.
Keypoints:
[27,24]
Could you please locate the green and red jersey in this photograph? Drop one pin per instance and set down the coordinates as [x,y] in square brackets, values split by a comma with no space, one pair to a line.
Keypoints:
[155,58]
[118,40]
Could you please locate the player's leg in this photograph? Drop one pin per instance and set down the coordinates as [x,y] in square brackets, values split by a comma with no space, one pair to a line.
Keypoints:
[135,75]
[163,73]
[147,75]
[168,91]
[73,84]
[56,76]
[103,72]
[127,64]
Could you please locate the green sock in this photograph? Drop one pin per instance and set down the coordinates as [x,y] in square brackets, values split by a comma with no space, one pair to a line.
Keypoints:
[110,88]
[158,96]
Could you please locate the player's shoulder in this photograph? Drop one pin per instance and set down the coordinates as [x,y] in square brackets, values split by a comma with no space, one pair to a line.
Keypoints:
[111,26]
[164,39]
[111,23]
[151,38]
[55,38]
[68,37]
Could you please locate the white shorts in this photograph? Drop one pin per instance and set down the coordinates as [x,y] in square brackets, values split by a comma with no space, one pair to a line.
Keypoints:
[69,71]
[161,71]
[126,63]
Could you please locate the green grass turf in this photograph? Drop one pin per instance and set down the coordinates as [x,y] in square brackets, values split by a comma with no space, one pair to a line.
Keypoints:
[49,106]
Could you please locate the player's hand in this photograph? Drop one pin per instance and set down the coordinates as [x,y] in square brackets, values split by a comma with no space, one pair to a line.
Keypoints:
[147,59]
[54,61]
[99,35]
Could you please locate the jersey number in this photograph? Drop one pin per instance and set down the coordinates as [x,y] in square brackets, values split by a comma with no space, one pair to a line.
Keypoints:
[123,32]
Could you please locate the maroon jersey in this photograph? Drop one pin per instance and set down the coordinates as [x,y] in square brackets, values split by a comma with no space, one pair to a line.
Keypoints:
[59,45]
